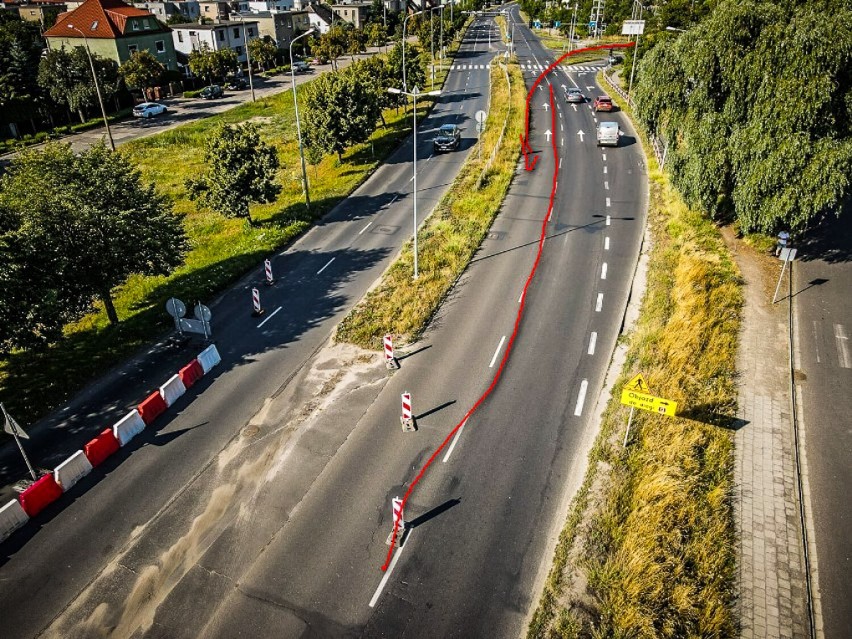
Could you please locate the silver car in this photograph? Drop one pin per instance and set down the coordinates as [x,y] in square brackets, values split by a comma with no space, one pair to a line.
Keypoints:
[148,110]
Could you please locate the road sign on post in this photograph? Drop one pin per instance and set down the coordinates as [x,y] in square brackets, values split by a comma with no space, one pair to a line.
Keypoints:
[13,428]
[633,27]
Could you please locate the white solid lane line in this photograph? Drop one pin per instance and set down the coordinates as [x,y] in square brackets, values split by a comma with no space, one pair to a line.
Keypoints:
[581,398]
[593,338]
[454,442]
[599,303]
[497,352]
[327,264]
[365,228]
[271,315]
[388,572]
[606,243]
[603,271]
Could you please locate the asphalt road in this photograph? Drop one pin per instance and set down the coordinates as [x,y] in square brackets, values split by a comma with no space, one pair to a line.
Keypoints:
[822,274]
[82,541]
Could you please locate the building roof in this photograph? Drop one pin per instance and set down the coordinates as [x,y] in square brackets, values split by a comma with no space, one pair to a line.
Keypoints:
[210,26]
[99,19]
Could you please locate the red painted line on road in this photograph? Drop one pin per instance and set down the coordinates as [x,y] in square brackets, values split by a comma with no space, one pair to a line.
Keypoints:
[525,148]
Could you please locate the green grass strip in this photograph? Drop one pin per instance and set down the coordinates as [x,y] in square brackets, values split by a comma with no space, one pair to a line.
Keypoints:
[450,236]
[648,549]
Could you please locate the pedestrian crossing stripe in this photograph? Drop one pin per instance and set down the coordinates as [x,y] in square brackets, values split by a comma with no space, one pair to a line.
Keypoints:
[573,69]
[469,67]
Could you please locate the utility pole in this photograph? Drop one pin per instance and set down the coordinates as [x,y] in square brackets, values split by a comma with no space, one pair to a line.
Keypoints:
[97,86]
[298,126]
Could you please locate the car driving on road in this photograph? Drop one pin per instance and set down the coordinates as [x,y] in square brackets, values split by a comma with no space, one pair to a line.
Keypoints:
[148,110]
[574,95]
[449,138]
[604,103]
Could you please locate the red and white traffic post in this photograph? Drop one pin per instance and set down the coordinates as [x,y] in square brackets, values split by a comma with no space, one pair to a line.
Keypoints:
[396,509]
[255,302]
[390,360]
[267,269]
[407,418]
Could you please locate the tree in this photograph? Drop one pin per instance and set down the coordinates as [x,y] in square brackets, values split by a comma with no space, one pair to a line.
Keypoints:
[264,51]
[142,71]
[331,45]
[341,109]
[210,64]
[377,35]
[177,18]
[67,77]
[356,42]
[414,73]
[20,51]
[78,226]
[240,170]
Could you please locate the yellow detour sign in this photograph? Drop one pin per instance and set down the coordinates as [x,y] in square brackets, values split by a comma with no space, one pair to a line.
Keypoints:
[636,394]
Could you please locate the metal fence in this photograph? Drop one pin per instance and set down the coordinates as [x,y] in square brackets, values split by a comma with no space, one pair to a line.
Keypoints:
[660,145]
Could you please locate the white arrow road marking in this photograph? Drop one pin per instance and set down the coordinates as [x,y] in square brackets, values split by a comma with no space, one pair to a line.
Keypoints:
[581,134]
[575,107]
[581,398]
[546,106]
[547,134]
[590,88]
[271,315]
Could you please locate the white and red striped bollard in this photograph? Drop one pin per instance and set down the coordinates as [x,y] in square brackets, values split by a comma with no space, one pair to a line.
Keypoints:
[396,509]
[255,302]
[390,360]
[407,418]
[267,267]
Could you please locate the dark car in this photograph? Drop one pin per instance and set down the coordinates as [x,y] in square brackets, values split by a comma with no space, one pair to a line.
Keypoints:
[574,95]
[212,92]
[449,138]
[604,103]
[237,84]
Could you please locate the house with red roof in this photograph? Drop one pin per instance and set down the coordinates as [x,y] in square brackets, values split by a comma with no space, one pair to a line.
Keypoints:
[113,29]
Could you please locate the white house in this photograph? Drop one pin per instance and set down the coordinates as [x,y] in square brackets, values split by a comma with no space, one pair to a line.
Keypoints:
[259,6]
[228,34]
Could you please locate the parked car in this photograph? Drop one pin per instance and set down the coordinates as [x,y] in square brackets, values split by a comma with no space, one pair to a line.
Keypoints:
[148,110]
[237,84]
[300,66]
[604,103]
[574,95]
[449,138]
[608,134]
[211,92]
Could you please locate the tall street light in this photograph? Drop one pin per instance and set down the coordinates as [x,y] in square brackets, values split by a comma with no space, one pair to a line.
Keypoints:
[298,126]
[97,86]
[404,44]
[248,55]
[414,93]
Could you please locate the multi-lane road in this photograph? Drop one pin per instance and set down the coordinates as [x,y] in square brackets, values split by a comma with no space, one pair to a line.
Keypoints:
[263,506]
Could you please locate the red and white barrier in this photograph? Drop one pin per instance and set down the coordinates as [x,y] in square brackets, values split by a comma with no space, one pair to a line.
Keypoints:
[152,407]
[390,359]
[255,303]
[191,373]
[208,358]
[12,517]
[128,427]
[267,269]
[396,505]
[172,390]
[407,418]
[101,447]
[72,470]
[43,492]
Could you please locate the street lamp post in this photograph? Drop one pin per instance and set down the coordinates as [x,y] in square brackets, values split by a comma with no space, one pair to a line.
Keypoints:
[298,126]
[414,93]
[248,56]
[404,25]
[97,86]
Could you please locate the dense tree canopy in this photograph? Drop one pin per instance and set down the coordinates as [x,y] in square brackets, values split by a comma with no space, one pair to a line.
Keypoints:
[142,70]
[756,105]
[67,78]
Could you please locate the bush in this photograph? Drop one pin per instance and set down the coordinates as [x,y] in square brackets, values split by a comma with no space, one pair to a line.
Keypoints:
[192,94]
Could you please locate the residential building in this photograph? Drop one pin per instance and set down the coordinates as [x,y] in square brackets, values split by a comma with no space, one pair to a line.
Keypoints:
[228,34]
[281,26]
[259,6]
[44,12]
[320,17]
[113,30]
[354,13]
[214,9]
[165,9]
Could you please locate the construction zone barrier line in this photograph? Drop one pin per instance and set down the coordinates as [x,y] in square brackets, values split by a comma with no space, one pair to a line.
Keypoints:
[152,407]
[72,470]
[128,427]
[12,517]
[208,358]
[191,373]
[41,494]
[101,447]
[172,389]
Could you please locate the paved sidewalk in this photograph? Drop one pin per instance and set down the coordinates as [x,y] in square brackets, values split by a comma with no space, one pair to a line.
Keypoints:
[772,597]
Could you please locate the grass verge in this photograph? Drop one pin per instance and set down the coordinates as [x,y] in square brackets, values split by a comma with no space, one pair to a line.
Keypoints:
[648,548]
[34,382]
[450,236]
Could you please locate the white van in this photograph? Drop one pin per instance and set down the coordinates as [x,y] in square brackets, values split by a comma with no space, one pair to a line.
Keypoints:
[608,133]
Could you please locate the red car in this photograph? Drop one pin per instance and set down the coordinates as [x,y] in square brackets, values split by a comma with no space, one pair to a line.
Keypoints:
[604,103]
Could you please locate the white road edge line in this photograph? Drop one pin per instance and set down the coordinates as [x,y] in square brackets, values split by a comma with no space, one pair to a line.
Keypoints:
[454,442]
[593,338]
[599,303]
[603,271]
[581,398]
[365,228]
[497,352]
[384,580]
[327,264]
[271,315]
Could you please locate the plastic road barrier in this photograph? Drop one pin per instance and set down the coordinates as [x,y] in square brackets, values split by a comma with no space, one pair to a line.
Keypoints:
[191,373]
[101,447]
[172,389]
[128,427]
[152,407]
[41,494]
[72,470]
[208,358]
[12,517]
